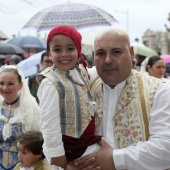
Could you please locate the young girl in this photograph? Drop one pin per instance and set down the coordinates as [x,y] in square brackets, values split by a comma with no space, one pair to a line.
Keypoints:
[67,108]
[30,152]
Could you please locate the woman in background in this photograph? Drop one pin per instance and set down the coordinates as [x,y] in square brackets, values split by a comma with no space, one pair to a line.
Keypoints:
[156,68]
[19,113]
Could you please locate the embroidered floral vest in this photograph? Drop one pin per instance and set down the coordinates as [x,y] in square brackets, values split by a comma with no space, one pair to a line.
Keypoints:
[75,109]
[131,120]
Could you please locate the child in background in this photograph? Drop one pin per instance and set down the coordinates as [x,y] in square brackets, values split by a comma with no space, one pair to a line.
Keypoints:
[30,152]
[67,108]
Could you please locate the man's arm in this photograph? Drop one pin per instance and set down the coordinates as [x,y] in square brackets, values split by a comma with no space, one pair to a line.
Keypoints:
[152,154]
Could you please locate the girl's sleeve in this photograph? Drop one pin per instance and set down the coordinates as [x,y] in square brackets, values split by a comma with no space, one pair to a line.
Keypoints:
[50,118]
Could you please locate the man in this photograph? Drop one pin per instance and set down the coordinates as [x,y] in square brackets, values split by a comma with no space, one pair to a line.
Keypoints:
[139,60]
[135,119]
[32,83]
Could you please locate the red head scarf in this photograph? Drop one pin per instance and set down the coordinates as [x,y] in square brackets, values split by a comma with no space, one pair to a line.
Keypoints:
[70,32]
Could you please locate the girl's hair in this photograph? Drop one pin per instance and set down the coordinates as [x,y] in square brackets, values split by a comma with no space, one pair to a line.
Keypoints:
[33,141]
[12,70]
[152,60]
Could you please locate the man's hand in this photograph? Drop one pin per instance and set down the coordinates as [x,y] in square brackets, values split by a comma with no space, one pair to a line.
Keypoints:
[60,161]
[71,166]
[100,160]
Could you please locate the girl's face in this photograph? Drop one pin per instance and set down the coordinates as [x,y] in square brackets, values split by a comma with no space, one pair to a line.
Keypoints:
[158,69]
[63,52]
[27,158]
[9,86]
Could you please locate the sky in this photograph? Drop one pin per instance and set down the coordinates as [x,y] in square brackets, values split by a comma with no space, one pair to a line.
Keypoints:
[133,16]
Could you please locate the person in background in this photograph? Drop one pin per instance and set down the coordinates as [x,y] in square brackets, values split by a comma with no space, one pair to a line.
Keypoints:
[14,60]
[156,67]
[138,61]
[19,113]
[135,119]
[32,82]
[30,152]
[67,107]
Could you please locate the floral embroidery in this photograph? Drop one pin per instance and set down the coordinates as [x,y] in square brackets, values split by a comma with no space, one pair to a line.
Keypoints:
[127,122]
[129,113]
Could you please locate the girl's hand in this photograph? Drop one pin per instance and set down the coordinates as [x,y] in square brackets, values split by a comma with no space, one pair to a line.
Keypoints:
[60,161]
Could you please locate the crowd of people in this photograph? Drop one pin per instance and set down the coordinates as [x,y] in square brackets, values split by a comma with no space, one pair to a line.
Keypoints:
[69,116]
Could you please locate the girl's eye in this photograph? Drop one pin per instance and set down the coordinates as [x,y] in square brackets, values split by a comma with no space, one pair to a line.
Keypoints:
[57,49]
[71,48]
[10,84]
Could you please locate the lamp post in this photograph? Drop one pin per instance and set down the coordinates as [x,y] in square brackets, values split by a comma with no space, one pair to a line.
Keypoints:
[127,18]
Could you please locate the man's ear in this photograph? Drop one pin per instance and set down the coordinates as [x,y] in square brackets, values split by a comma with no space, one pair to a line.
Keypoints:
[132,53]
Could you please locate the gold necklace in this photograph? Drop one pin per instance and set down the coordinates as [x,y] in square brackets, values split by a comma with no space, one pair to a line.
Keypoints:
[8,115]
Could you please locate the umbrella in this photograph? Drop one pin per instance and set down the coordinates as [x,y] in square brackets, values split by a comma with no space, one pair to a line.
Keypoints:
[143,50]
[166,58]
[3,36]
[73,14]
[29,43]
[23,56]
[28,66]
[2,56]
[6,48]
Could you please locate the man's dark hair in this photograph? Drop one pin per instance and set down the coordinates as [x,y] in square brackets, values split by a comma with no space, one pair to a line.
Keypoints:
[44,54]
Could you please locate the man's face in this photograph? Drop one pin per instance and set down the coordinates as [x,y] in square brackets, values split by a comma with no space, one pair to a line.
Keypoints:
[139,60]
[47,62]
[113,57]
[12,63]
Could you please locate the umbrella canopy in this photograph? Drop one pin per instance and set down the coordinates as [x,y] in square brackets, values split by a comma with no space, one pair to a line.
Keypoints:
[6,48]
[23,56]
[28,42]
[166,58]
[28,65]
[2,56]
[73,14]
[3,36]
[143,50]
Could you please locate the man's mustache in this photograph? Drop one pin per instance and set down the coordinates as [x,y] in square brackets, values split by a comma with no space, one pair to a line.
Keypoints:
[108,66]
